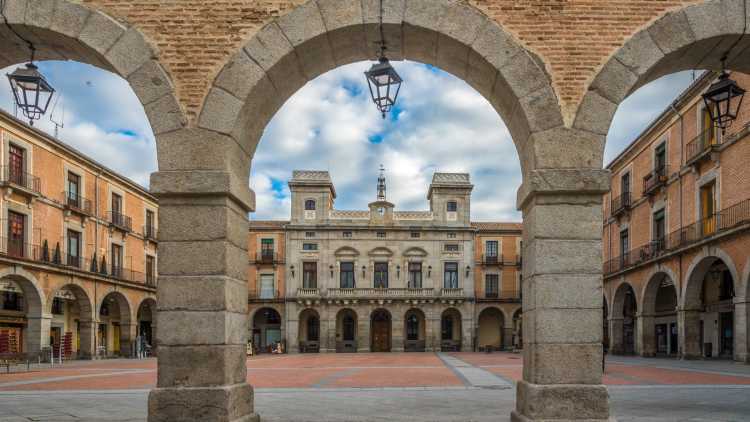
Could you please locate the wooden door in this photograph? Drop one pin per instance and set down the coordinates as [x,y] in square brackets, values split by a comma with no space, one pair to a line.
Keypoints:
[381,333]
[708,208]
[16,234]
[16,164]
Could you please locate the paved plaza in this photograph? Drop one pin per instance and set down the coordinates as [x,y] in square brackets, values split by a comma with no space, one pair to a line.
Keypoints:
[380,387]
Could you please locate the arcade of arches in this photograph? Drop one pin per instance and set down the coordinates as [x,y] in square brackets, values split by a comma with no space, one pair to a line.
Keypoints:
[208,105]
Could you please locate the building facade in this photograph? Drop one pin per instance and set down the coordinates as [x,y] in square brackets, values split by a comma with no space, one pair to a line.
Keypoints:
[381,279]
[676,239]
[78,251]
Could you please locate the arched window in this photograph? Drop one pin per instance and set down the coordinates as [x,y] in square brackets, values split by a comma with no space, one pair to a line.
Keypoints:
[447,328]
[313,329]
[348,328]
[412,327]
[310,205]
[451,206]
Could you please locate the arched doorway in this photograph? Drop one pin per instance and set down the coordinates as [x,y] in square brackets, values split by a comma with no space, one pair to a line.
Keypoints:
[518,329]
[266,330]
[450,330]
[624,321]
[146,330]
[72,323]
[346,331]
[113,335]
[309,331]
[380,331]
[659,330]
[707,321]
[414,327]
[490,329]
[20,316]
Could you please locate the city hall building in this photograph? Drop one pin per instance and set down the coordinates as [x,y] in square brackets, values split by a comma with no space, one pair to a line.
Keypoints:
[676,237]
[383,279]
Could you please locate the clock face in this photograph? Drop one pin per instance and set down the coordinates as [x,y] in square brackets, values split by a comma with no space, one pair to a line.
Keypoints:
[381,211]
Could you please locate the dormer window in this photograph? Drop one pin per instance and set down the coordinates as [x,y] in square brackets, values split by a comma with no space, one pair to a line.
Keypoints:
[452,206]
[310,205]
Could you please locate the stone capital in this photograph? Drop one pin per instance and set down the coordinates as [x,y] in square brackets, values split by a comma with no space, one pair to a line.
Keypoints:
[189,183]
[560,185]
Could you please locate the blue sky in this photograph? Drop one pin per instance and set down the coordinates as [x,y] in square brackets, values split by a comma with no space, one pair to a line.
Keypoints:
[440,124]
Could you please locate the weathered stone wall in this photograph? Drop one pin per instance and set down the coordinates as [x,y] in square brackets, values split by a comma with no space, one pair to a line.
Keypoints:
[574,37]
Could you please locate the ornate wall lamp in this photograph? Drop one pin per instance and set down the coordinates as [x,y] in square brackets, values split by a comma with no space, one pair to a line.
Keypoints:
[330,267]
[291,268]
[429,271]
[468,270]
[398,272]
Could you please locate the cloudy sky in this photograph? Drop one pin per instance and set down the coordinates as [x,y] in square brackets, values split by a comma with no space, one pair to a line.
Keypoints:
[440,124]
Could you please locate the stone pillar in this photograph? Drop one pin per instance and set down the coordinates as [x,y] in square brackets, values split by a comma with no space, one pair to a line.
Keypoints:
[741,331]
[507,343]
[202,294]
[37,333]
[646,331]
[616,335]
[331,321]
[429,332]
[562,301]
[127,340]
[325,329]
[467,330]
[363,333]
[688,332]
[292,334]
[437,330]
[397,334]
[87,339]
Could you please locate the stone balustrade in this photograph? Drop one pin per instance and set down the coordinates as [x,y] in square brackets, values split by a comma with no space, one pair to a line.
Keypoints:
[369,292]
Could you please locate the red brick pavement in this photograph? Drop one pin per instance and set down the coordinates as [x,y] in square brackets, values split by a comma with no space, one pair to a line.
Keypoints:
[337,371]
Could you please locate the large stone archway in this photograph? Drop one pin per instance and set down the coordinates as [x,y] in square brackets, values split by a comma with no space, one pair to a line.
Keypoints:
[658,315]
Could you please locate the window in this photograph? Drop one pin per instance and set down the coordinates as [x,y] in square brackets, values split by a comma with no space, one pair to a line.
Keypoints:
[16,164]
[381,235]
[415,235]
[415,275]
[266,287]
[74,248]
[116,204]
[346,273]
[450,276]
[57,306]
[16,234]
[451,235]
[349,328]
[660,159]
[150,225]
[381,275]
[116,257]
[491,285]
[309,246]
[310,205]
[313,329]
[266,249]
[12,301]
[451,247]
[708,207]
[625,184]
[310,275]
[347,235]
[150,270]
[412,328]
[491,248]
[451,206]
[309,234]
[74,190]
[624,245]
[659,229]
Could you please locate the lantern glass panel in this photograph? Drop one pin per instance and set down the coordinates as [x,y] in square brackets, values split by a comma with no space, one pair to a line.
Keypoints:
[384,84]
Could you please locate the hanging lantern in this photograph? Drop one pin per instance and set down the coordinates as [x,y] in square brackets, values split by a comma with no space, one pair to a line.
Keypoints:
[723,100]
[31,91]
[384,84]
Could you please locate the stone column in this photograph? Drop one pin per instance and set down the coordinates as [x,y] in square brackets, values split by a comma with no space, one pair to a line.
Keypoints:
[87,339]
[562,301]
[363,333]
[37,333]
[429,332]
[616,333]
[646,331]
[324,329]
[507,342]
[127,340]
[331,339]
[397,333]
[688,332]
[741,332]
[202,294]
[467,330]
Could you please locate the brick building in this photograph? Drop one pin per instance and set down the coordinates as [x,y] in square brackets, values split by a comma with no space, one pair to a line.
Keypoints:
[383,279]
[77,251]
[676,236]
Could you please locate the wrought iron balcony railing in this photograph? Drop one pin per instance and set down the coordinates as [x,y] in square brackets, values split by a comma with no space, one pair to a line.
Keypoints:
[77,203]
[26,181]
[701,146]
[119,220]
[655,180]
[620,204]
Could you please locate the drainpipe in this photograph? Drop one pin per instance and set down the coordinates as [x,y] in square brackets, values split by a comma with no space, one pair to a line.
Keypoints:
[679,177]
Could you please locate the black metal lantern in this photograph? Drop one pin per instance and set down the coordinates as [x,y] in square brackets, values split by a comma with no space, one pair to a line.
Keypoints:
[723,100]
[384,84]
[31,91]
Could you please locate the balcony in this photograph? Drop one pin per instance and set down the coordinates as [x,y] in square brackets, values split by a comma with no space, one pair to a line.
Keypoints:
[19,249]
[501,296]
[492,260]
[265,295]
[701,146]
[374,293]
[77,203]
[620,204]
[653,181]
[506,260]
[268,257]
[120,221]
[308,293]
[149,232]
[20,181]
[452,293]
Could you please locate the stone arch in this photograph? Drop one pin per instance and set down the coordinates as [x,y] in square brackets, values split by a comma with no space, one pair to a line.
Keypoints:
[267,325]
[125,307]
[121,319]
[693,37]
[415,330]
[647,298]
[82,299]
[489,336]
[451,330]
[415,251]
[35,334]
[33,293]
[625,308]
[346,251]
[146,324]
[308,332]
[699,266]
[347,330]
[319,36]
[67,30]
[381,330]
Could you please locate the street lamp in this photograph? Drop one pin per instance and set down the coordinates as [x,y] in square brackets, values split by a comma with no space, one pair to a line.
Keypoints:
[382,79]
[31,91]
[723,100]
